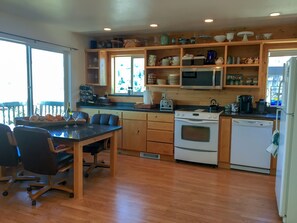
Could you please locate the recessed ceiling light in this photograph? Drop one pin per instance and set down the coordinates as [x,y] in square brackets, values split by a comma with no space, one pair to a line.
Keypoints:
[275,14]
[208,20]
[154,25]
[107,29]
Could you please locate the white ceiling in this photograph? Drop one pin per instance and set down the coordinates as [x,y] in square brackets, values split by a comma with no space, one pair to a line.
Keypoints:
[134,16]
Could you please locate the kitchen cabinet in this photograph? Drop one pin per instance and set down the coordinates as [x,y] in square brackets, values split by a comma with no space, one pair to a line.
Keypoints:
[225,124]
[158,63]
[134,131]
[241,62]
[96,67]
[160,135]
[243,65]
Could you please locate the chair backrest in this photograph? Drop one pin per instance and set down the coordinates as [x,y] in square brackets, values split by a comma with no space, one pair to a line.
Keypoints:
[8,152]
[10,110]
[35,150]
[81,115]
[105,119]
[51,107]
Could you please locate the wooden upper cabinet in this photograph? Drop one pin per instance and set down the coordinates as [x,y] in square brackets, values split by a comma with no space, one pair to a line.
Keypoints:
[96,67]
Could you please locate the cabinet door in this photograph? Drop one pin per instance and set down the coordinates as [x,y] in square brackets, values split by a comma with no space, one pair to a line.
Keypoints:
[224,142]
[134,135]
[96,67]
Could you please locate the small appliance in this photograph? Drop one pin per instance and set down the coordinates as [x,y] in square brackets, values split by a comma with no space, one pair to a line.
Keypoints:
[166,104]
[245,104]
[202,78]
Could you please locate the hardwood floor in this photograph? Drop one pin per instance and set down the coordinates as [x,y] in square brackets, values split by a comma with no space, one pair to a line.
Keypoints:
[149,191]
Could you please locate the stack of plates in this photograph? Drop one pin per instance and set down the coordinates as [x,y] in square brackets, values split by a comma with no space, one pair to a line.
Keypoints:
[173,79]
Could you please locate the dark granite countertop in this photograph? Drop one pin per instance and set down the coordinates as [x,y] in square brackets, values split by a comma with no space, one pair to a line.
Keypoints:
[265,116]
[126,106]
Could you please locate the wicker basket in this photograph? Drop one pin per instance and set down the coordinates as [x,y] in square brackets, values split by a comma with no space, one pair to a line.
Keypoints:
[131,43]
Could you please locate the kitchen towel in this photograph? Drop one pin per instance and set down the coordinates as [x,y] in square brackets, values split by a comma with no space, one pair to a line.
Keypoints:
[273,148]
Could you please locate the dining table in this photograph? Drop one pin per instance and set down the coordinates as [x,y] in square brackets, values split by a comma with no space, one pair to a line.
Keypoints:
[82,135]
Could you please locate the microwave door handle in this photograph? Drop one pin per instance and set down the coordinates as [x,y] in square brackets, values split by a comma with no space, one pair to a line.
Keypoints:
[213,77]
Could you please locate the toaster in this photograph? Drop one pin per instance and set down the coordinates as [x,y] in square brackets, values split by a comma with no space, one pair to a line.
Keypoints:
[166,105]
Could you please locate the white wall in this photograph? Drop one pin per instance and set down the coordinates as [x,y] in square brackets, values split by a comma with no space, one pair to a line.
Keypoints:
[53,34]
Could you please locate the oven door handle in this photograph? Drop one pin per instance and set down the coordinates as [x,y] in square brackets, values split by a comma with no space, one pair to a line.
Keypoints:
[196,122]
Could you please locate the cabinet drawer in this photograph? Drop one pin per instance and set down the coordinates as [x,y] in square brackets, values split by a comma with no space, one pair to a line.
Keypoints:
[160,136]
[160,148]
[157,117]
[160,125]
[134,115]
[112,112]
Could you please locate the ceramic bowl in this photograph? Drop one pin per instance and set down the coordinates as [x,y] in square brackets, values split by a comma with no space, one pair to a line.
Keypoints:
[267,35]
[161,81]
[220,38]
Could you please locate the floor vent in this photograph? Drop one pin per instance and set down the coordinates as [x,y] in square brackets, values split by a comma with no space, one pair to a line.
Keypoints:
[150,156]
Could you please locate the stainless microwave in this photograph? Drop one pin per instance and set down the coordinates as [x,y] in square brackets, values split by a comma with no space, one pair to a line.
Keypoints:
[202,78]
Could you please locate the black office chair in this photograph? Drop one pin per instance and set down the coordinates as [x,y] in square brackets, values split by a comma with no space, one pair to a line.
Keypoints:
[9,157]
[97,147]
[40,156]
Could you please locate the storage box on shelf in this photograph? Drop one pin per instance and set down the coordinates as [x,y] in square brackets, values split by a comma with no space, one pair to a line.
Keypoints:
[161,62]
[96,73]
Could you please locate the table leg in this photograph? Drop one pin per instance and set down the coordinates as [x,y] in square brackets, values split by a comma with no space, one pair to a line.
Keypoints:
[78,171]
[113,152]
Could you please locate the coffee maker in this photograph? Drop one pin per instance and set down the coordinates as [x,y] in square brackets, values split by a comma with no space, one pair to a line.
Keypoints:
[245,104]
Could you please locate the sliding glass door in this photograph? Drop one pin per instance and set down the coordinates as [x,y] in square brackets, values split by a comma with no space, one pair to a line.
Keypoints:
[30,77]
[47,78]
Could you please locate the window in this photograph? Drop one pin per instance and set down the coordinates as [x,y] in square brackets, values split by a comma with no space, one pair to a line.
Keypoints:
[30,75]
[276,61]
[127,74]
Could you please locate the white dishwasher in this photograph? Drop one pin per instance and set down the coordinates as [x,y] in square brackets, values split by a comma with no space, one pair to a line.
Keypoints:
[249,141]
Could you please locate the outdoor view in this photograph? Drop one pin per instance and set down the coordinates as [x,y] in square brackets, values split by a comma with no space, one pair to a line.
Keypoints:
[17,92]
[129,73]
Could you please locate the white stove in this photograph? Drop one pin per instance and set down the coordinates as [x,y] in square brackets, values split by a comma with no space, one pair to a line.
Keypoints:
[198,114]
[196,135]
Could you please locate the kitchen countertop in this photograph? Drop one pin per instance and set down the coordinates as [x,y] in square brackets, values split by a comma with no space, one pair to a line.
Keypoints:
[126,106]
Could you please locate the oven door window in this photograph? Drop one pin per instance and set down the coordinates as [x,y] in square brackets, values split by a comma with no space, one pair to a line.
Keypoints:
[195,133]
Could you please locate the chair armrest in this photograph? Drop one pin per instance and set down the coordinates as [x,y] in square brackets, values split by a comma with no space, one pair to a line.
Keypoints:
[58,149]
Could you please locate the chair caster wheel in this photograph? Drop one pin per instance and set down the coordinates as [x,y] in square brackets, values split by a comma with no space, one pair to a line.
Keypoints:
[86,175]
[5,193]
[33,202]
[71,195]
[29,189]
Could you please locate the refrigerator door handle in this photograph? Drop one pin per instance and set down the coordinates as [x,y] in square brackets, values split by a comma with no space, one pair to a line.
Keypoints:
[277,118]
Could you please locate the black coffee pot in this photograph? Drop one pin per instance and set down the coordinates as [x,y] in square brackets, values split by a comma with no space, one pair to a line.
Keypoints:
[245,104]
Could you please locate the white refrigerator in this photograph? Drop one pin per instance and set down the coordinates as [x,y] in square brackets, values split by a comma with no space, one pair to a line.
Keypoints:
[286,170]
